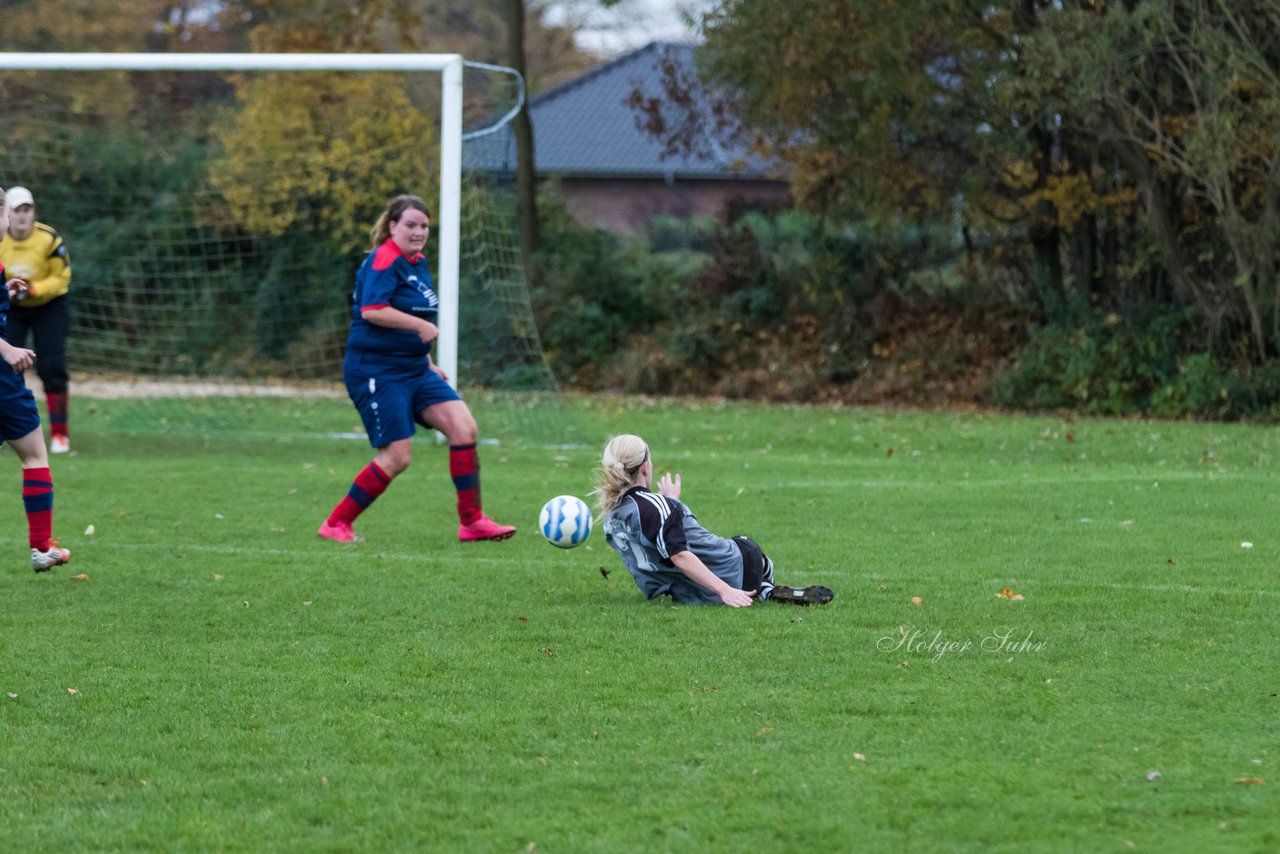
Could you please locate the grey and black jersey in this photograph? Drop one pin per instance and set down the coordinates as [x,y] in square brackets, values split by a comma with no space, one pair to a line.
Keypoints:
[647,528]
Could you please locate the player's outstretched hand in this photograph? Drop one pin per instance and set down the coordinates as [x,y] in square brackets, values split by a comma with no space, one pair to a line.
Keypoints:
[18,288]
[735,598]
[668,486]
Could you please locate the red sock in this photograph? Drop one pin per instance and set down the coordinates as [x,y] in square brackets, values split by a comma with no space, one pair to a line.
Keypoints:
[37,498]
[368,485]
[57,404]
[464,467]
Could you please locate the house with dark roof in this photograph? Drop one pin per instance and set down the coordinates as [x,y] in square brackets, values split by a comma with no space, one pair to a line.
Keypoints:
[613,174]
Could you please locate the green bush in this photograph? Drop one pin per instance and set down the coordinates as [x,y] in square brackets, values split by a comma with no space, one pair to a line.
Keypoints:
[1204,388]
[1109,365]
[592,291]
[1106,365]
[691,305]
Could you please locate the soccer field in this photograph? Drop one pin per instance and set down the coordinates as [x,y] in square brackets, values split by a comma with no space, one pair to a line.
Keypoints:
[225,680]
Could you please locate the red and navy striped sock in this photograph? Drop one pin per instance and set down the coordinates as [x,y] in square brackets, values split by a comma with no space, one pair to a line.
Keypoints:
[464,467]
[57,404]
[37,498]
[368,485]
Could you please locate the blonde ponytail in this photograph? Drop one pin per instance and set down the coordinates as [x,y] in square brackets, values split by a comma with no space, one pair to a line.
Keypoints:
[619,467]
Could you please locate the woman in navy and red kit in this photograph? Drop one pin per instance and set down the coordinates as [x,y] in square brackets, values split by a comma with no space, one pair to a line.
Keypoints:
[392,380]
[20,427]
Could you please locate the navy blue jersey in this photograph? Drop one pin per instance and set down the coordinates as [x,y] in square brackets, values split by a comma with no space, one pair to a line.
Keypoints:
[4,305]
[18,413]
[390,278]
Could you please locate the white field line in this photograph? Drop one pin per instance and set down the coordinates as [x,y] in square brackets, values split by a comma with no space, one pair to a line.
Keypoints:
[360,552]
[1116,585]
[1142,479]
[1174,588]
[178,387]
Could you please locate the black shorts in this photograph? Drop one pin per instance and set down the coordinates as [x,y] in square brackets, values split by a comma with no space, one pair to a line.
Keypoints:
[752,563]
[18,413]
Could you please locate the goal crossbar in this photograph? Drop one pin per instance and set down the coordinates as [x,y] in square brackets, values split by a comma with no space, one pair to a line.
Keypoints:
[450,66]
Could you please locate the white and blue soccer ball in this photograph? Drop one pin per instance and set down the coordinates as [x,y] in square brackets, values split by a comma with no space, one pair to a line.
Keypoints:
[565,521]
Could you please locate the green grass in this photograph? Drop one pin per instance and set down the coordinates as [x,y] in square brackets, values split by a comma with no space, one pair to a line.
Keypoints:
[242,685]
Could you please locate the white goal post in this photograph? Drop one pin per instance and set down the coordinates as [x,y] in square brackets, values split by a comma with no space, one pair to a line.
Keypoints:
[450,67]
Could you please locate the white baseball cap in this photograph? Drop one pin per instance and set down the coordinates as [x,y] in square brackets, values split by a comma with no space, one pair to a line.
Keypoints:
[17,197]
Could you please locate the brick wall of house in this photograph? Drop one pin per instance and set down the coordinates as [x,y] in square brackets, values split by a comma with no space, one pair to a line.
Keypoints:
[626,206]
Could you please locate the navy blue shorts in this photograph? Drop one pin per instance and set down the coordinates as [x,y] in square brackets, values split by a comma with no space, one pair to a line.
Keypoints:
[18,413]
[391,406]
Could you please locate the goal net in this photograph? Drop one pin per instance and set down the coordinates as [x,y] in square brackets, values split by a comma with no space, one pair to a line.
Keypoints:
[216,207]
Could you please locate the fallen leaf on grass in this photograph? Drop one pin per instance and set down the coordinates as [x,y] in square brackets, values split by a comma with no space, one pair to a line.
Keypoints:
[859,757]
[88,532]
[548,651]
[1152,776]
[217,577]
[12,696]
[73,690]
[1250,781]
[81,577]
[915,600]
[764,730]
[1007,593]
[889,453]
[604,573]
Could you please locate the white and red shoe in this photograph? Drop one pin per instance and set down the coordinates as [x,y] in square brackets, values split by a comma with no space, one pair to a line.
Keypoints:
[47,559]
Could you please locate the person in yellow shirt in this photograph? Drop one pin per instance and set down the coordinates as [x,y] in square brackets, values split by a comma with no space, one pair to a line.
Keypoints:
[35,254]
